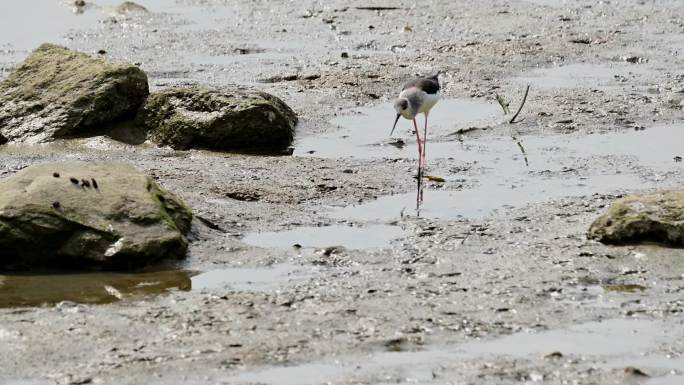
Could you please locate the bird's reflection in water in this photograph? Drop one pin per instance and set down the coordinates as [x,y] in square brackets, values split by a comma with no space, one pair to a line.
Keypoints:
[419,191]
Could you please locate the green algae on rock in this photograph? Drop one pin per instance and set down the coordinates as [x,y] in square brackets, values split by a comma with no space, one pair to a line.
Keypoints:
[57,92]
[643,218]
[77,214]
[184,118]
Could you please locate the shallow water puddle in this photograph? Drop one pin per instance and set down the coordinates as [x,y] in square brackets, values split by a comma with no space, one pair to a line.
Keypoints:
[252,279]
[507,181]
[612,337]
[654,147]
[366,133]
[26,24]
[597,341]
[18,290]
[673,379]
[325,236]
[482,200]
[583,75]
[92,288]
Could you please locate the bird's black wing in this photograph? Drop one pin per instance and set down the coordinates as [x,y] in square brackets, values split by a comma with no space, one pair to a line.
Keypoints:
[429,85]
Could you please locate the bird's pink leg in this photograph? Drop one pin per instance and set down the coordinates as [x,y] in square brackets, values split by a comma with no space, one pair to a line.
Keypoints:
[420,149]
[424,140]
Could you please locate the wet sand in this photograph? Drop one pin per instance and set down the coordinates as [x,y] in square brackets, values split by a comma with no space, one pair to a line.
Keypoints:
[317,268]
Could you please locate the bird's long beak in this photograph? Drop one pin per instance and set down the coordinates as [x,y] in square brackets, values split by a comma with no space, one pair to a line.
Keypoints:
[395,124]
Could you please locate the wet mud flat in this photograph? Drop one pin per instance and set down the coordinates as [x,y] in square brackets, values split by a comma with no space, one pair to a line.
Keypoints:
[317,268]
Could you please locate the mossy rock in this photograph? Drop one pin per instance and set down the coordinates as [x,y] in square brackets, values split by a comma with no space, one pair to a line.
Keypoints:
[84,215]
[645,218]
[57,92]
[184,118]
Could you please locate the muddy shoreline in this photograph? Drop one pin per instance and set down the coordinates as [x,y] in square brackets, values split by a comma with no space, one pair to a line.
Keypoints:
[498,259]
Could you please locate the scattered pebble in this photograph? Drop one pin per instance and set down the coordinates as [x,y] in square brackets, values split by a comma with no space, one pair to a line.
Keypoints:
[634,59]
[631,370]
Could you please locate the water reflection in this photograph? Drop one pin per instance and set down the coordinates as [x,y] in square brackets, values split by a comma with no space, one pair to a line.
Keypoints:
[91,288]
[419,191]
[23,289]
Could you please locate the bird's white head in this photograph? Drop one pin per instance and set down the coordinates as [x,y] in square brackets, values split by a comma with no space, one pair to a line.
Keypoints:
[403,108]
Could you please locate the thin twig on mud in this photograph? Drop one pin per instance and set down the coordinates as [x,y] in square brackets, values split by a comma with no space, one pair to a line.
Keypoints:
[527,91]
[514,135]
[522,149]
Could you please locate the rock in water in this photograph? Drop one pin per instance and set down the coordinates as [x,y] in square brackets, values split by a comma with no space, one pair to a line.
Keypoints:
[129,6]
[127,221]
[184,118]
[58,92]
[657,217]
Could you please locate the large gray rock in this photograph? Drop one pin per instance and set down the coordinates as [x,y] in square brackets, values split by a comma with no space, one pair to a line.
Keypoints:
[657,217]
[184,118]
[77,214]
[58,92]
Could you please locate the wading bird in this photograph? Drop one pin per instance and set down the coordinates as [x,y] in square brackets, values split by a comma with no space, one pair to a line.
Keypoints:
[417,96]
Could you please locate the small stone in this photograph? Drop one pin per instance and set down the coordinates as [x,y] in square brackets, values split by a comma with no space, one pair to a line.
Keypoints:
[554,355]
[580,40]
[631,370]
[129,6]
[634,59]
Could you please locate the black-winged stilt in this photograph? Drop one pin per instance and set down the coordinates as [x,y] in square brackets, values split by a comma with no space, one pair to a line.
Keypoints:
[417,96]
